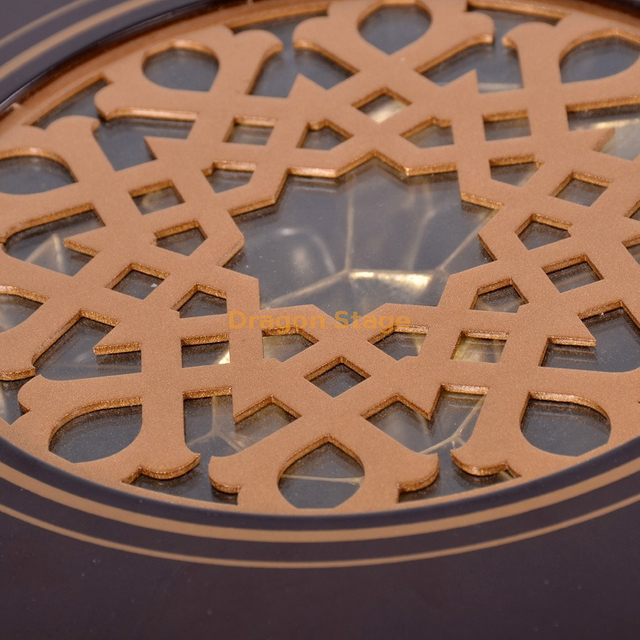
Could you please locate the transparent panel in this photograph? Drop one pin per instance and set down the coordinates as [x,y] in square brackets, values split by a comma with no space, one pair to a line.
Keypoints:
[182,69]
[44,244]
[506,300]
[399,345]
[450,427]
[14,310]
[245,134]
[503,129]
[581,192]
[625,121]
[514,174]
[322,479]
[564,428]
[157,200]
[497,66]
[577,275]
[221,180]
[32,174]
[284,347]
[211,430]
[337,380]
[280,71]
[383,107]
[185,242]
[122,139]
[392,28]
[617,346]
[479,350]
[72,356]
[202,304]
[98,434]
[9,406]
[598,59]
[323,139]
[137,284]
[355,243]
[538,234]
[432,136]
[81,104]
[199,355]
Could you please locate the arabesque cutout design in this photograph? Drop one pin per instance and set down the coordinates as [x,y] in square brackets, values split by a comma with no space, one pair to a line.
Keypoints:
[154,325]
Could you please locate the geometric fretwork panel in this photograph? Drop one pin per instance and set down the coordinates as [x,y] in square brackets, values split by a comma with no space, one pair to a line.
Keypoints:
[142,134]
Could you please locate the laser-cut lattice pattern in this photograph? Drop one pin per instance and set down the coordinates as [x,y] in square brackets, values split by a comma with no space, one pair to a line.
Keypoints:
[127,242]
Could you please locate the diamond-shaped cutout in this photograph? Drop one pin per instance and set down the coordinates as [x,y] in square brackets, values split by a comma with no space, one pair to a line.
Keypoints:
[577,275]
[323,139]
[538,234]
[283,347]
[383,107]
[399,345]
[514,174]
[434,135]
[184,242]
[322,479]
[157,200]
[249,134]
[200,355]
[504,129]
[263,423]
[580,191]
[137,284]
[506,299]
[473,349]
[223,180]
[337,380]
[203,304]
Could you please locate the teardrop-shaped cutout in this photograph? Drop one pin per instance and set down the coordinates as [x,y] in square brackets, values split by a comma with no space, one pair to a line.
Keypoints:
[598,59]
[322,479]
[182,69]
[98,434]
[32,174]
[393,28]
[564,428]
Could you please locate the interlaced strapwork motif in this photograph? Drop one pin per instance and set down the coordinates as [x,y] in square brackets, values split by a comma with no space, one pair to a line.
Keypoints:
[128,240]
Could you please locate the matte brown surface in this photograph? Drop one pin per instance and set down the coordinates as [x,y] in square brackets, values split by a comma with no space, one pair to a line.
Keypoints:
[153,325]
